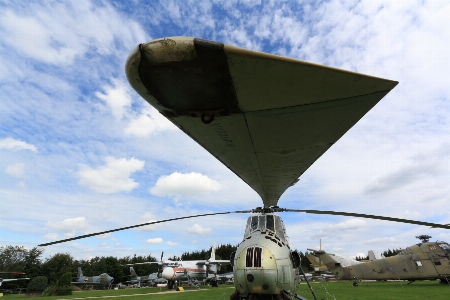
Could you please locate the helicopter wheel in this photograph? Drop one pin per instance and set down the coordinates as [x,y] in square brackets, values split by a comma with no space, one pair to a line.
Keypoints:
[355,283]
[171,285]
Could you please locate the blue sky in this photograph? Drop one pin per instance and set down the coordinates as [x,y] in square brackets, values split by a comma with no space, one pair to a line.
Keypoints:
[81,152]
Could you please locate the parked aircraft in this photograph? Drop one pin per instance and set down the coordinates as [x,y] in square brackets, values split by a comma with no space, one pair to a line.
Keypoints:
[3,280]
[148,279]
[173,270]
[268,119]
[424,261]
[227,278]
[100,280]
[319,265]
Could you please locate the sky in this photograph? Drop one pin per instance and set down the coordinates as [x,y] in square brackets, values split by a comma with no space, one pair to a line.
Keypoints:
[81,152]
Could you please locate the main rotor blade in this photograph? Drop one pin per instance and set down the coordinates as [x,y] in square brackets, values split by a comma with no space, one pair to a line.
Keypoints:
[340,213]
[140,225]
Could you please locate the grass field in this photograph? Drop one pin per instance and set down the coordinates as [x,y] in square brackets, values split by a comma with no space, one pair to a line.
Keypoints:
[327,290]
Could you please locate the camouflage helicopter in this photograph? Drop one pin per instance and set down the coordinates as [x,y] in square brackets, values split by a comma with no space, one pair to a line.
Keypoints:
[265,117]
[424,261]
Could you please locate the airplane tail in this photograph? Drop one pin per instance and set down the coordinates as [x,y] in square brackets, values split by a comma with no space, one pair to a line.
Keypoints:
[80,273]
[133,273]
[213,252]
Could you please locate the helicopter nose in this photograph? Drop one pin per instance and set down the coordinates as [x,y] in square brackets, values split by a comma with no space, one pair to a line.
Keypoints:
[168,273]
[256,271]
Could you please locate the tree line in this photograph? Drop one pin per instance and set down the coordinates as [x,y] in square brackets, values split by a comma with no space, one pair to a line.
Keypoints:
[386,253]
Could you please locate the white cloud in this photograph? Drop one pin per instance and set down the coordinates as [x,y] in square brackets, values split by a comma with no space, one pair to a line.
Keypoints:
[117,98]
[51,236]
[62,32]
[198,229]
[69,225]
[15,145]
[35,43]
[113,177]
[191,184]
[154,241]
[350,224]
[148,123]
[21,185]
[103,236]
[148,218]
[16,170]
[172,244]
[382,240]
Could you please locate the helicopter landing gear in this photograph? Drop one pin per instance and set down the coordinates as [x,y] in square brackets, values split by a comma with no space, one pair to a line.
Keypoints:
[170,284]
[355,283]
[235,296]
[214,283]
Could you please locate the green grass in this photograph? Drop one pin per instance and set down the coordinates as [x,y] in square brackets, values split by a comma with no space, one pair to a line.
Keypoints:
[378,290]
[340,290]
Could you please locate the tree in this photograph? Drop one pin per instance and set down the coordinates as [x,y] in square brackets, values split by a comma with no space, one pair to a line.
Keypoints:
[36,286]
[141,270]
[305,263]
[20,259]
[55,266]
[391,252]
[63,287]
[224,252]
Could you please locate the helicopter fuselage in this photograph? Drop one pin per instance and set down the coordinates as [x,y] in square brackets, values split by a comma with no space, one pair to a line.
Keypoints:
[263,263]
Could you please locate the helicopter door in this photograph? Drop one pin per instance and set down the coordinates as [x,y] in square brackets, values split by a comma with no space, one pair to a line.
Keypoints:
[437,257]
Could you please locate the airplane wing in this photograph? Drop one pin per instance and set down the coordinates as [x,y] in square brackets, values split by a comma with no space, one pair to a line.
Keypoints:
[143,263]
[266,117]
[214,262]
[2,280]
[88,283]
[226,275]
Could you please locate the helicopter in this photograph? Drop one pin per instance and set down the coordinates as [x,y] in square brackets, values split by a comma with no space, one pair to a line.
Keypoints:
[268,119]
[423,261]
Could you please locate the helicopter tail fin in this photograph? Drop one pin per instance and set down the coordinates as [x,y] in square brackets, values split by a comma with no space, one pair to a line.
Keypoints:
[332,264]
[316,263]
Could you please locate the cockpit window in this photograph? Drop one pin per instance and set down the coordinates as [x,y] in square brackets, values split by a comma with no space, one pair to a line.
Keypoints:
[254,225]
[445,247]
[262,223]
[270,223]
[266,222]
[279,227]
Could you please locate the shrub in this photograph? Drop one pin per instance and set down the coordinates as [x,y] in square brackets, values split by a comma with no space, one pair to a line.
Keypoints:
[37,285]
[51,291]
[63,287]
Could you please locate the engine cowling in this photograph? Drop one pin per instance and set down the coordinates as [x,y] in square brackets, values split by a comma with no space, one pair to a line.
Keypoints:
[168,273]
